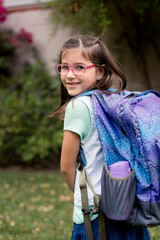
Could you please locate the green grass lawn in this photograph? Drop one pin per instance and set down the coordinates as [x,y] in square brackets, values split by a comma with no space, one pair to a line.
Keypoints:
[36,206]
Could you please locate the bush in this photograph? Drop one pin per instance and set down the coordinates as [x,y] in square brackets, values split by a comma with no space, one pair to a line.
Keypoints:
[7,54]
[27,133]
[28,94]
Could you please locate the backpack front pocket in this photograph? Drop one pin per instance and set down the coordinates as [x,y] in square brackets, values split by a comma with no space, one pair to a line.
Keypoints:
[117,195]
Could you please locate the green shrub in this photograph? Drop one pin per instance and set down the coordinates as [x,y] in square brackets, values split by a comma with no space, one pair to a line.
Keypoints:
[7,54]
[28,94]
[27,133]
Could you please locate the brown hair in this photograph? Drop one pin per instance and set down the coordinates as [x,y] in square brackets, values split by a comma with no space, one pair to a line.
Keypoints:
[96,51]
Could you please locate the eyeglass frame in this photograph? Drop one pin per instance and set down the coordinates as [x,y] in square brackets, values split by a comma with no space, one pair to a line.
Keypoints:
[71,68]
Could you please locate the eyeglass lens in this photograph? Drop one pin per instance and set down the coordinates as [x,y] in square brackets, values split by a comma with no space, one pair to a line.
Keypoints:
[77,69]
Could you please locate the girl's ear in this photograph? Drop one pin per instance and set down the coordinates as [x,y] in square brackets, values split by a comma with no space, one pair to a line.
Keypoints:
[100,73]
[100,78]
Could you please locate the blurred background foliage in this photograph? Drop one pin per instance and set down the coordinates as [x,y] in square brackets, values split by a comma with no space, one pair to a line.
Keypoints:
[27,133]
[28,94]
[135,23]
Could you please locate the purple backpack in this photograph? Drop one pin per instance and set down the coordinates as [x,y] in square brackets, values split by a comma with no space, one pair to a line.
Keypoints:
[128,125]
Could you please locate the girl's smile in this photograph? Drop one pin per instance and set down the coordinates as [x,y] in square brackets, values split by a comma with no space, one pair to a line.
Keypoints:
[78,84]
[72,84]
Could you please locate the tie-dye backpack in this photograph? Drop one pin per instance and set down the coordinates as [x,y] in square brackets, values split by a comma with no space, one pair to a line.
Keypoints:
[128,125]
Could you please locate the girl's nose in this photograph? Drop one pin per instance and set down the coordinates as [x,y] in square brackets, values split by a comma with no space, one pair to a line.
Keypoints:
[70,73]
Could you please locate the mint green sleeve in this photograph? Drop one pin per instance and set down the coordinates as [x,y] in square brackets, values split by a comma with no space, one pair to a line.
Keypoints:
[77,118]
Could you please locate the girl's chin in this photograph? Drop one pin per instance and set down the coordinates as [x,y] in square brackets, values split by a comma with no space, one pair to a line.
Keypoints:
[73,93]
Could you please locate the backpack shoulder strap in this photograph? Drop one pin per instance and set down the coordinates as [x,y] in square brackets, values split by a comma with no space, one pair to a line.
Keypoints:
[84,178]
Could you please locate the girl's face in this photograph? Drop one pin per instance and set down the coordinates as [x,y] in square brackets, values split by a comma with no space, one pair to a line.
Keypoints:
[78,84]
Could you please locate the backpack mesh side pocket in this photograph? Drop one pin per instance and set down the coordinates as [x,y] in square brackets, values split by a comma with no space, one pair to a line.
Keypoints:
[117,195]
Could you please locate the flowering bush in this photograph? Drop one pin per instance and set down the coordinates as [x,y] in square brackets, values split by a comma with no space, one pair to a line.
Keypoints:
[27,134]
[3,12]
[22,38]
[10,42]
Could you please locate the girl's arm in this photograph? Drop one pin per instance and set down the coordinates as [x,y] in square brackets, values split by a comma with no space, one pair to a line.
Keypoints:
[69,154]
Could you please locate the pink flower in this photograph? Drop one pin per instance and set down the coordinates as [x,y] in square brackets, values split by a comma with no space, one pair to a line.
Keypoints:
[25,36]
[22,38]
[15,41]
[3,12]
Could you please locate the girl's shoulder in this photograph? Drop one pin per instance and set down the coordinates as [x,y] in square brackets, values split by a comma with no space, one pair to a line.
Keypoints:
[79,103]
[77,117]
[81,98]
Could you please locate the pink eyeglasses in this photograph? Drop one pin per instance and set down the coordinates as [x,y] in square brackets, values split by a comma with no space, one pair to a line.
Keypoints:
[77,69]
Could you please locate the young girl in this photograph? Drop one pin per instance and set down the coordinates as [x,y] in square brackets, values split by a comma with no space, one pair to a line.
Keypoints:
[86,64]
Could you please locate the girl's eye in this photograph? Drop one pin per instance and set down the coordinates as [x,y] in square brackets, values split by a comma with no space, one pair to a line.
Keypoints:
[64,67]
[79,67]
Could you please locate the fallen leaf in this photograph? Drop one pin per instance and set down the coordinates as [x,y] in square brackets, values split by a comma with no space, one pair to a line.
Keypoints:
[65,198]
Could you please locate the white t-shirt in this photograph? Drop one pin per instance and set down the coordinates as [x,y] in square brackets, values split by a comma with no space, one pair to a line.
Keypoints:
[79,118]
